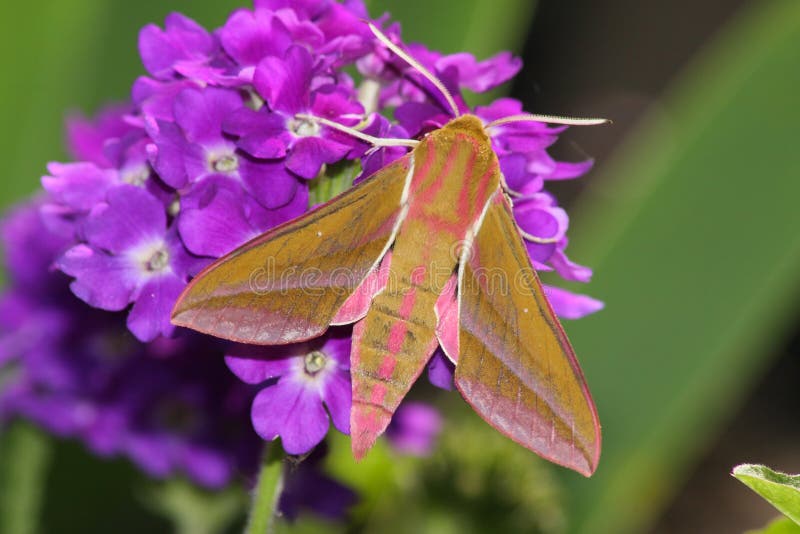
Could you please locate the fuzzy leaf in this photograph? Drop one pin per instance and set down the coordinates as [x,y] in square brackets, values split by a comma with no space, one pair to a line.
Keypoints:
[779,489]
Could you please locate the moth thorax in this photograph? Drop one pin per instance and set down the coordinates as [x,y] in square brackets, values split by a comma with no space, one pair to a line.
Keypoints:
[469,124]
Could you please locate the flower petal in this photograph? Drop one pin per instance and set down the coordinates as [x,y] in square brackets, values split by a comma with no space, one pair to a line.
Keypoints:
[150,315]
[213,220]
[130,217]
[309,153]
[101,280]
[269,182]
[440,371]
[568,305]
[293,412]
[251,36]
[200,113]
[257,364]
[78,185]
[285,83]
[338,396]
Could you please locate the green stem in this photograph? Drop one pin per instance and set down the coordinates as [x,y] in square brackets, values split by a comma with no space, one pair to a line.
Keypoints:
[264,510]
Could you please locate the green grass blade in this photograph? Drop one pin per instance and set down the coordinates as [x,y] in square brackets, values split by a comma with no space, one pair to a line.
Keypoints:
[24,458]
[693,232]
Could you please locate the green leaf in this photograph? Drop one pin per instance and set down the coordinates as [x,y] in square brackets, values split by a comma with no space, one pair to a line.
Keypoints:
[782,525]
[693,233]
[24,458]
[192,510]
[779,489]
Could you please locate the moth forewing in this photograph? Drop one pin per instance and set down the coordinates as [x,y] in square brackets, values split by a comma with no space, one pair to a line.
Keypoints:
[516,367]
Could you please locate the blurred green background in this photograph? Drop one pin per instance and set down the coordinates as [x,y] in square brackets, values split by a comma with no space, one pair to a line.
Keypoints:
[691,220]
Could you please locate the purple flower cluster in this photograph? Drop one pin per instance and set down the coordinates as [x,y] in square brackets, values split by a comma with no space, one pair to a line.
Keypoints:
[76,370]
[214,148]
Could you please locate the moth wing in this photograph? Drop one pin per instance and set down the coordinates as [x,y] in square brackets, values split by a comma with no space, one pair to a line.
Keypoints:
[288,284]
[516,367]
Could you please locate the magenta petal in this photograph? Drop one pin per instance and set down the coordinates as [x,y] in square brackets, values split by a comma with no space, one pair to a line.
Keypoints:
[103,281]
[131,217]
[182,39]
[254,365]
[309,153]
[513,169]
[416,116]
[150,315]
[338,345]
[568,305]
[155,98]
[167,153]
[78,185]
[262,135]
[540,252]
[537,222]
[86,138]
[414,428]
[565,171]
[502,107]
[293,412]
[249,36]
[217,218]
[568,269]
[284,83]
[269,182]
[338,397]
[440,371]
[201,113]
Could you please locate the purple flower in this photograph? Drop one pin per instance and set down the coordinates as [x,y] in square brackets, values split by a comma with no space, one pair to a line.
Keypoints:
[130,256]
[179,49]
[87,138]
[414,428]
[298,382]
[218,215]
[194,147]
[168,405]
[287,85]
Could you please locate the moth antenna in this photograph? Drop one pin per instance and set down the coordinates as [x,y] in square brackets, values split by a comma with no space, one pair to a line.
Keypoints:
[402,54]
[374,141]
[539,240]
[551,119]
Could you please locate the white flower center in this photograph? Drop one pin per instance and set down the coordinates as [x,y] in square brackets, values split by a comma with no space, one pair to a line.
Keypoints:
[303,128]
[137,176]
[158,260]
[174,207]
[315,362]
[225,163]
